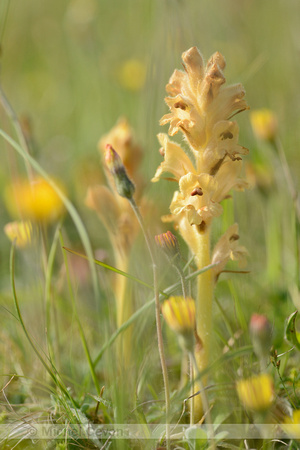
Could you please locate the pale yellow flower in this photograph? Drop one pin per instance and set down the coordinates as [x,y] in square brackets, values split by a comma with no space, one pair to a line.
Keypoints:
[176,161]
[228,248]
[257,392]
[222,143]
[19,232]
[196,198]
[199,101]
[264,123]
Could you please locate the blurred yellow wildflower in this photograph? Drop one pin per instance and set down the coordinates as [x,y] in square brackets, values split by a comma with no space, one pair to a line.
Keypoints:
[264,123]
[132,74]
[180,315]
[292,425]
[36,201]
[19,232]
[257,392]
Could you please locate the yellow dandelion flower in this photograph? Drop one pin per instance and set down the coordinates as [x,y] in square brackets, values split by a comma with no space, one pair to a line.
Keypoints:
[264,124]
[292,425]
[36,201]
[180,315]
[20,232]
[257,392]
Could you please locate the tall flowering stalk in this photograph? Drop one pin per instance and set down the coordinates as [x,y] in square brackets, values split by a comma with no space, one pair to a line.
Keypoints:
[119,219]
[202,109]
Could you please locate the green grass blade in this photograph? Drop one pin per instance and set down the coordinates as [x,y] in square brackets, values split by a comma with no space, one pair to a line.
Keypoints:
[142,310]
[48,369]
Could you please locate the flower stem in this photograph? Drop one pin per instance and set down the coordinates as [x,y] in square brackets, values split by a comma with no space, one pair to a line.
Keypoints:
[203,310]
[158,321]
[204,400]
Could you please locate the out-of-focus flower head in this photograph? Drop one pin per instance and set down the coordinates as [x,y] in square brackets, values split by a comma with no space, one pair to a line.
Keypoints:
[19,232]
[259,175]
[257,392]
[132,74]
[180,315]
[36,201]
[261,335]
[264,123]
[292,425]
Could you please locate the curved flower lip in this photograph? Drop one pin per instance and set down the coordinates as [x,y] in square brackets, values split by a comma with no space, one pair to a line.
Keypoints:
[199,208]
[176,160]
[228,248]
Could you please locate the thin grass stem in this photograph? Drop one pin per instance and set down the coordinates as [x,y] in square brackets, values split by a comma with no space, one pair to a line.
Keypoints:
[158,320]
[80,328]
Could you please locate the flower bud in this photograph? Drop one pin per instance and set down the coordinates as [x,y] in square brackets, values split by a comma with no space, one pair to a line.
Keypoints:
[124,185]
[169,244]
[261,335]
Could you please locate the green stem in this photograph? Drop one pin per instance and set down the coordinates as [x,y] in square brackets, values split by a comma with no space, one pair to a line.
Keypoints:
[183,281]
[158,321]
[204,399]
[49,269]
[81,332]
[52,375]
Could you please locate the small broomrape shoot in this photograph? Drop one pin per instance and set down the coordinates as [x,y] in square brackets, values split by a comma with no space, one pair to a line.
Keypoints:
[202,108]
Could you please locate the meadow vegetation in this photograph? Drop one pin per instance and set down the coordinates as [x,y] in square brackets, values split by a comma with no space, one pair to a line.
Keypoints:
[120,299]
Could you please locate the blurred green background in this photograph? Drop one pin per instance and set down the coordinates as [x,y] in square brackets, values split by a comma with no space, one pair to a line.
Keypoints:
[64,68]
